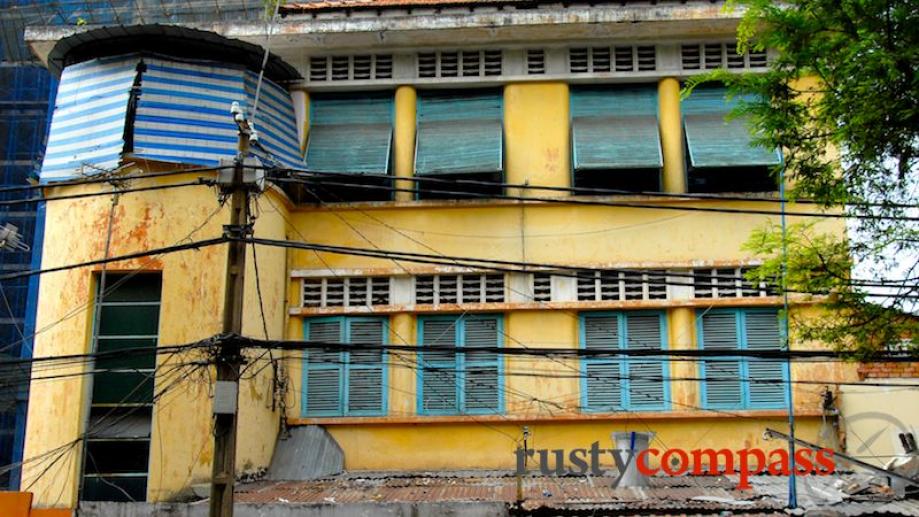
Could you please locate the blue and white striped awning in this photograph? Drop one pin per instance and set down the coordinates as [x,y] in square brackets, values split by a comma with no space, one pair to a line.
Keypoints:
[182,115]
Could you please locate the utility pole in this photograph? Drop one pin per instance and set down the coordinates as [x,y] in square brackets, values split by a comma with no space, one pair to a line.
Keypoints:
[226,394]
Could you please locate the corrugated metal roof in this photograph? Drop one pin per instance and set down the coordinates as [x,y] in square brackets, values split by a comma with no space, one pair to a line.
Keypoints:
[668,494]
[324,5]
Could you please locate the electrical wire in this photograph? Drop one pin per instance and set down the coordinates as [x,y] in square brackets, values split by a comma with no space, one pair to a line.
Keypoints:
[591,190]
[594,202]
[498,264]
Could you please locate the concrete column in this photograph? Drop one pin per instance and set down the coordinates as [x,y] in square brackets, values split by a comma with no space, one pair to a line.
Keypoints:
[682,330]
[537,137]
[402,374]
[404,139]
[671,127]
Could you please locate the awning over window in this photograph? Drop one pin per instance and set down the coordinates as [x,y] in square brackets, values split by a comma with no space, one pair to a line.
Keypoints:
[615,128]
[714,141]
[459,134]
[350,134]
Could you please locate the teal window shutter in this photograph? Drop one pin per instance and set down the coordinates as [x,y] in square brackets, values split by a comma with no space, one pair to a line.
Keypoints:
[750,382]
[345,382]
[646,379]
[715,141]
[467,382]
[350,134]
[480,369]
[722,385]
[460,133]
[763,333]
[438,369]
[601,385]
[366,368]
[323,369]
[615,128]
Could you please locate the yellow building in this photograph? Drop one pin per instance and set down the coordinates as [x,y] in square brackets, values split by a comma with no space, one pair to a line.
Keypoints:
[553,140]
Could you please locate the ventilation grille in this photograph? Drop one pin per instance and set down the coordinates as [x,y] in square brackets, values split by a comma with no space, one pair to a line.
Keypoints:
[727,283]
[470,63]
[708,56]
[622,285]
[536,61]
[618,59]
[350,68]
[451,289]
[542,287]
[346,292]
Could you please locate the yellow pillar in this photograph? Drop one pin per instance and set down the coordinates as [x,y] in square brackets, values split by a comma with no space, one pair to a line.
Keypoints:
[536,136]
[402,372]
[404,139]
[685,395]
[671,127]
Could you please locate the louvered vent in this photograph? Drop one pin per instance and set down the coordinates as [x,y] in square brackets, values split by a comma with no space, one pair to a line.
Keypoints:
[363,67]
[727,283]
[345,292]
[453,289]
[708,56]
[536,61]
[618,59]
[542,287]
[622,285]
[468,63]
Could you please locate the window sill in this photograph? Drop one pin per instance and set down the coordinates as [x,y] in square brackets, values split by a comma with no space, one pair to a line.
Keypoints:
[572,417]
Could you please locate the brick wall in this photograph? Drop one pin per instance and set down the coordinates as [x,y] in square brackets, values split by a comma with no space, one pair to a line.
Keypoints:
[888,370]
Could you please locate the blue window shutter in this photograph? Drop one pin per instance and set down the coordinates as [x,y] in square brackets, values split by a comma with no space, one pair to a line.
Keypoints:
[323,372]
[460,134]
[644,331]
[350,134]
[615,128]
[438,368]
[762,333]
[481,384]
[723,377]
[603,376]
[366,367]
[713,140]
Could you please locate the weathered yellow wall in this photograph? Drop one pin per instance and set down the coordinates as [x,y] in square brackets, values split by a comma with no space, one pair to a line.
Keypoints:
[192,299]
[491,445]
[536,137]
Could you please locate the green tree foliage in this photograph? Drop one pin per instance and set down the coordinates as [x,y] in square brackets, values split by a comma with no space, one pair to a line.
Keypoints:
[841,98]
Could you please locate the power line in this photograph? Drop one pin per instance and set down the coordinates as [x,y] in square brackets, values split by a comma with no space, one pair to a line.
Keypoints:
[589,190]
[667,355]
[494,264]
[108,178]
[199,182]
[593,202]
[156,251]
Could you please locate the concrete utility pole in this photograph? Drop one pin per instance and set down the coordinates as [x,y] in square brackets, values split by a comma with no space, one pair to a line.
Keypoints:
[229,359]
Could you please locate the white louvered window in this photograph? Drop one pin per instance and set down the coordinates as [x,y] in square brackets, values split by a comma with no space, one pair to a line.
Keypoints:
[708,56]
[727,283]
[542,287]
[345,292]
[466,63]
[465,288]
[536,61]
[622,285]
[619,59]
[361,67]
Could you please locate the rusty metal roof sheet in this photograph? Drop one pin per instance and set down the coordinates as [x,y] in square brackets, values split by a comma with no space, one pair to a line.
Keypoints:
[667,494]
[327,5]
